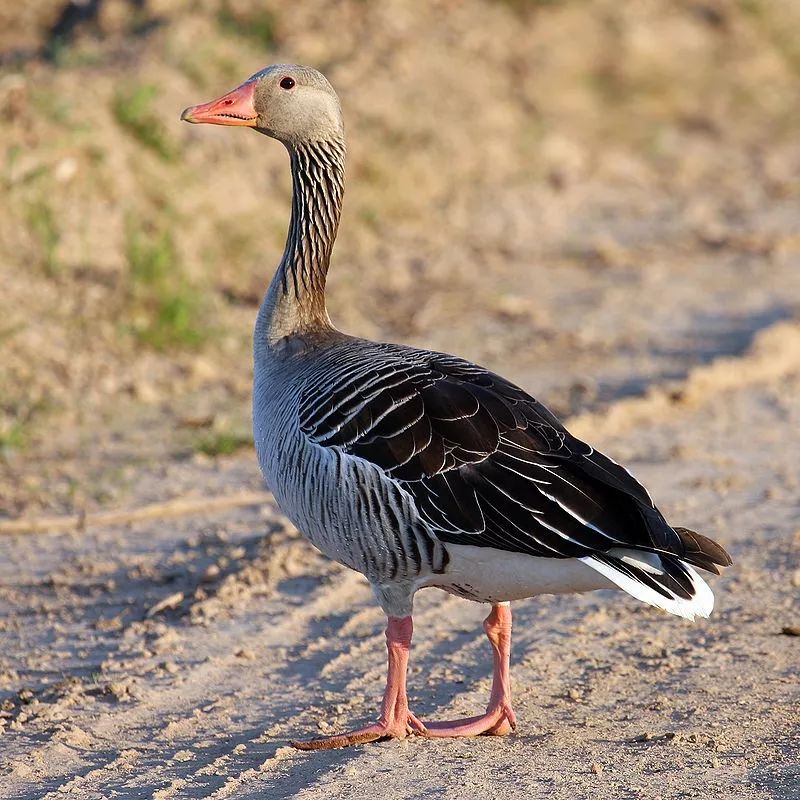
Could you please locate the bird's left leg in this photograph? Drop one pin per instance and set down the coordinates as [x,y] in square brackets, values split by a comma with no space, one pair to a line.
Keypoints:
[396,720]
[499,718]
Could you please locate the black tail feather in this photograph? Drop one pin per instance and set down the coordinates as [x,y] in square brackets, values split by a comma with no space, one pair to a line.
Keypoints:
[703,552]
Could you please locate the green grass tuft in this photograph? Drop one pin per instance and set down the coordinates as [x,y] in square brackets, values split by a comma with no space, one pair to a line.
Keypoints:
[528,6]
[258,26]
[222,443]
[133,110]
[171,322]
[151,255]
[12,437]
[44,229]
[165,310]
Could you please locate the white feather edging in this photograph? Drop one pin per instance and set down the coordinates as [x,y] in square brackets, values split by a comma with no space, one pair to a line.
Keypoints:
[700,605]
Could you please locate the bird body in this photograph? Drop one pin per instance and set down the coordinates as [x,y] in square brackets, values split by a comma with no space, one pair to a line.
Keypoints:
[418,468]
[352,442]
[383,535]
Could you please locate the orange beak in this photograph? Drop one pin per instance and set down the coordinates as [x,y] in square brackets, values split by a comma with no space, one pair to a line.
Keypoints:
[234,108]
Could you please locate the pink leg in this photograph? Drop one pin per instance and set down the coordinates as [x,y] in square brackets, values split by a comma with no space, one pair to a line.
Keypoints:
[396,721]
[499,718]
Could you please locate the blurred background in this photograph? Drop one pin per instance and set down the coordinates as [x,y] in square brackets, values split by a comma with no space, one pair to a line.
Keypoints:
[589,196]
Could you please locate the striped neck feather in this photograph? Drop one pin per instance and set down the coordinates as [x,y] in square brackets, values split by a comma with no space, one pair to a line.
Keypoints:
[295,301]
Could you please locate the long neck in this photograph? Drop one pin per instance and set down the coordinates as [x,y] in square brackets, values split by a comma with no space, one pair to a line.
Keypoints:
[295,301]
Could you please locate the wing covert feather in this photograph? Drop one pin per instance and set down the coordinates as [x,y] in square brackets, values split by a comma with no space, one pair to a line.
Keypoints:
[485,463]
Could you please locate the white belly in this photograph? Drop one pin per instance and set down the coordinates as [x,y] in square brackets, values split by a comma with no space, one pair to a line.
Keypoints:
[493,576]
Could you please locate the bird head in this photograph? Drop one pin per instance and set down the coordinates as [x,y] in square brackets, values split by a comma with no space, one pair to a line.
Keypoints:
[291,103]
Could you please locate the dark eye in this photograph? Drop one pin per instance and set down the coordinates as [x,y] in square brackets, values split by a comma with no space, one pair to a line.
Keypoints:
[287,83]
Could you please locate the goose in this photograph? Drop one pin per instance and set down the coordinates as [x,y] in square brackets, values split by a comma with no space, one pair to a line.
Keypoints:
[420,469]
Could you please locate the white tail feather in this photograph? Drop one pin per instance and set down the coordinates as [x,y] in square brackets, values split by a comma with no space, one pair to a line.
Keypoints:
[700,605]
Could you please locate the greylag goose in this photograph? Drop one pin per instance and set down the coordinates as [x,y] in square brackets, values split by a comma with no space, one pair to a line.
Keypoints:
[418,468]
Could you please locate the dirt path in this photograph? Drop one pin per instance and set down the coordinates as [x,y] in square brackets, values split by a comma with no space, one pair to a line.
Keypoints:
[260,640]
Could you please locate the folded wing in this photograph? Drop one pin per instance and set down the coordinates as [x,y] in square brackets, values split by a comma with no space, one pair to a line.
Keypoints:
[488,465]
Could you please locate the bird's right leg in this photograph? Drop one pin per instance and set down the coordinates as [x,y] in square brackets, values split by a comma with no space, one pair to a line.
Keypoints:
[499,718]
[396,720]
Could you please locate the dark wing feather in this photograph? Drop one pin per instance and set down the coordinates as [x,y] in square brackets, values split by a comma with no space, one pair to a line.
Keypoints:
[486,464]
[702,551]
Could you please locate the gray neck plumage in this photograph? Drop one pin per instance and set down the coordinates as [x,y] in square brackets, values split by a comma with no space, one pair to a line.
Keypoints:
[295,301]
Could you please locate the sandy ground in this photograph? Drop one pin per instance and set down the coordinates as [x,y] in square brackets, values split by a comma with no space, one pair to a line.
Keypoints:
[598,200]
[260,640]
